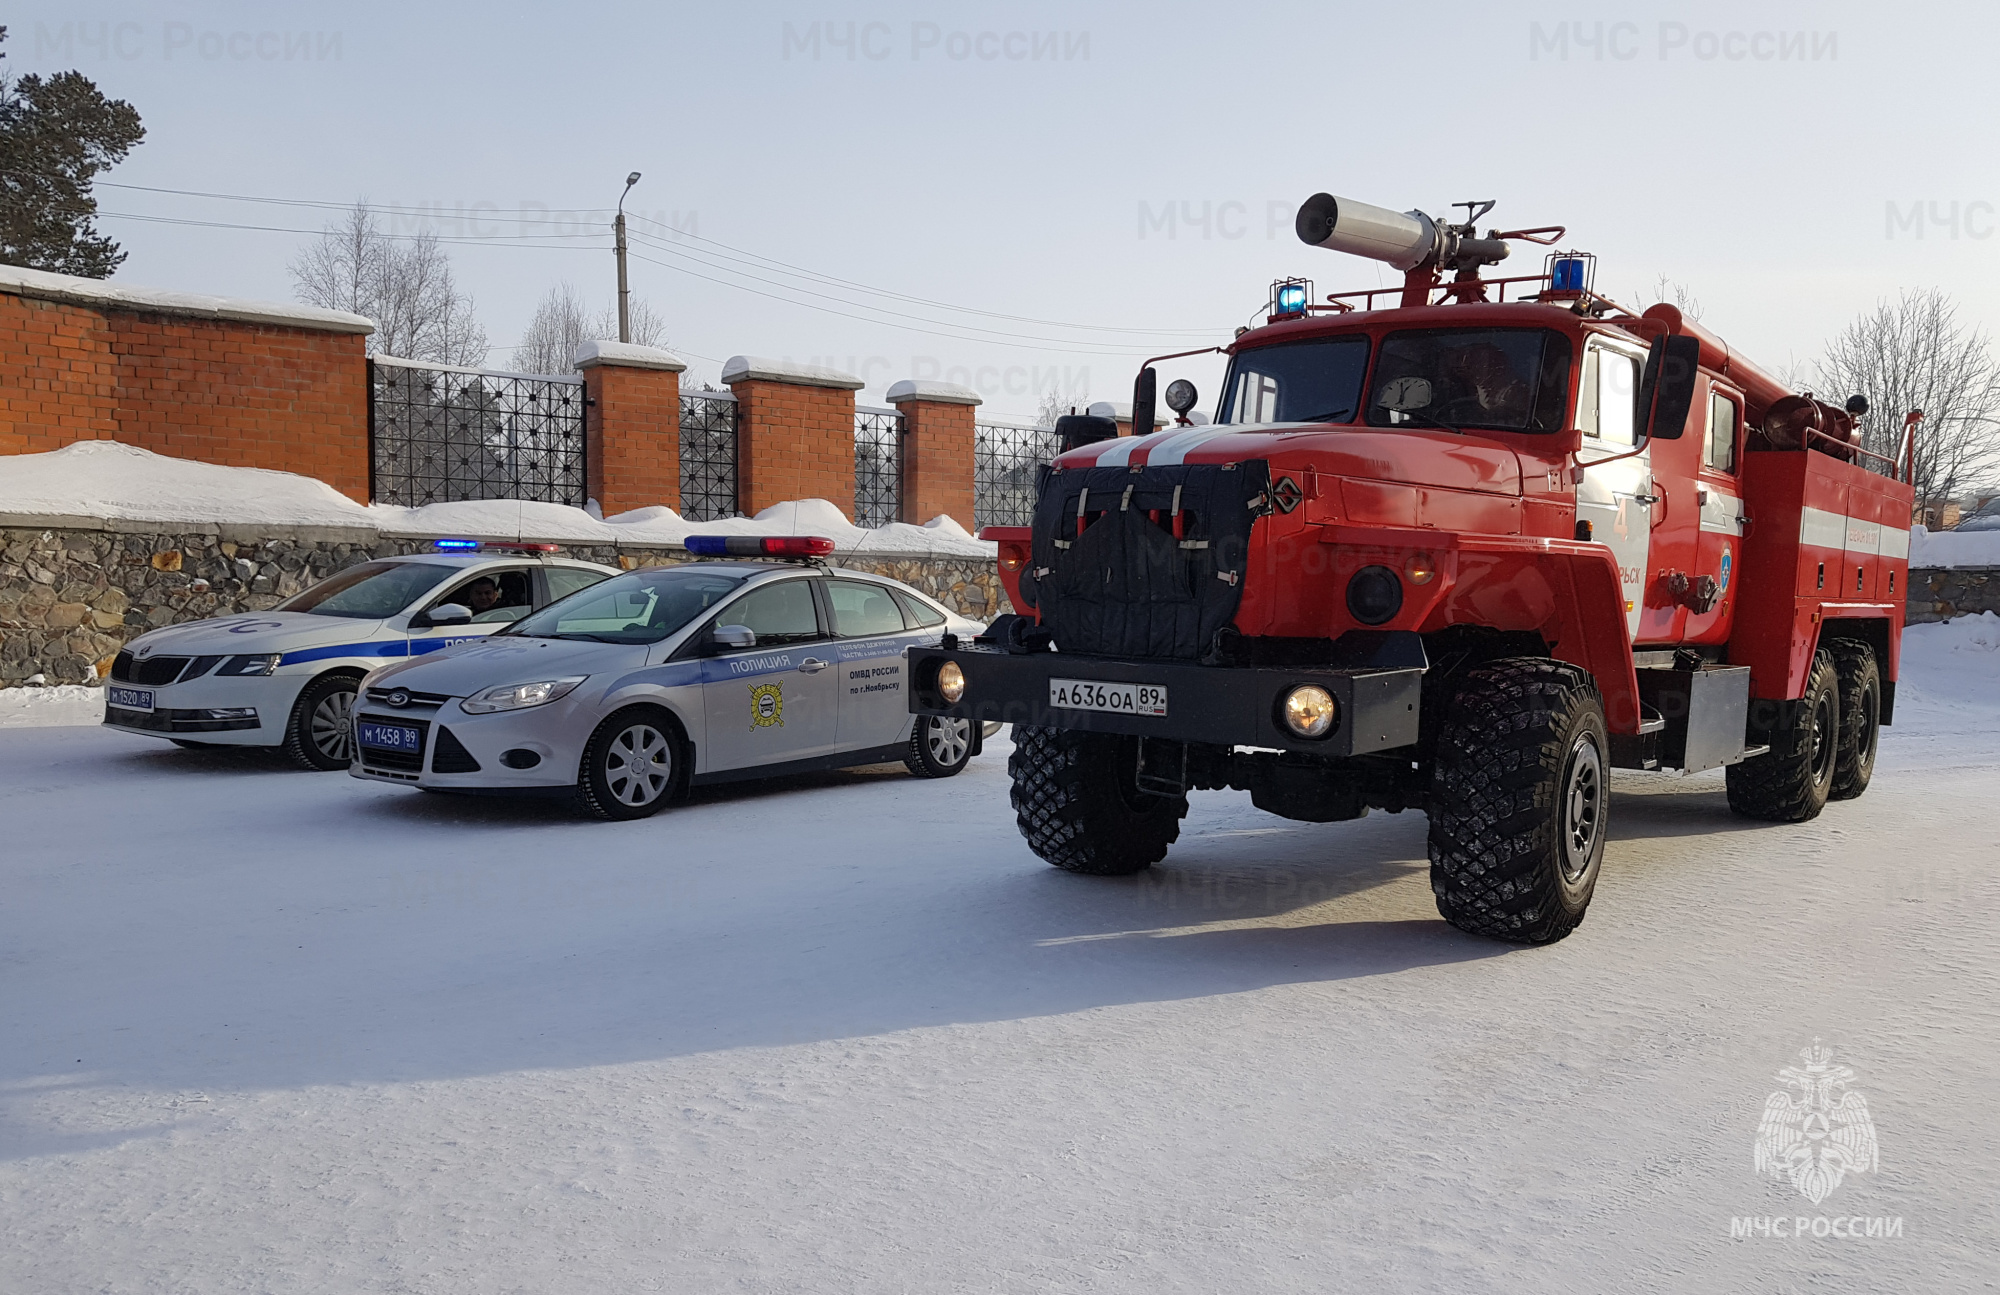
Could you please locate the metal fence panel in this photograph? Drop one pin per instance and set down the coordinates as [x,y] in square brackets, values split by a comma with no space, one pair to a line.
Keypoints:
[708,456]
[438,434]
[878,466]
[1004,460]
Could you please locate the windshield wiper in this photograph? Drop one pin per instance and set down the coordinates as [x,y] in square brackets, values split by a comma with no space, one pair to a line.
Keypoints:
[1425,420]
[1331,416]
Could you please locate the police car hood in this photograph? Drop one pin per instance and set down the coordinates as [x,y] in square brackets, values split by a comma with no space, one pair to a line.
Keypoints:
[255,632]
[465,668]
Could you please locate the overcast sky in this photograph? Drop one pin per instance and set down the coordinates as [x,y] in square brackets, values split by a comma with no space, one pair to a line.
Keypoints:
[1081,173]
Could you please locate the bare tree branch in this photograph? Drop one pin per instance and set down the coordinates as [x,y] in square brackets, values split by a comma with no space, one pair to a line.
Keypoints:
[404,285]
[1918,354]
[563,319]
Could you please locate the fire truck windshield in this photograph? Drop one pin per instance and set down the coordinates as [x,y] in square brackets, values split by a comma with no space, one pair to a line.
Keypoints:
[1509,379]
[1313,381]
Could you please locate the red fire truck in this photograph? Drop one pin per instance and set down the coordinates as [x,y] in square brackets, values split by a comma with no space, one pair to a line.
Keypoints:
[1451,552]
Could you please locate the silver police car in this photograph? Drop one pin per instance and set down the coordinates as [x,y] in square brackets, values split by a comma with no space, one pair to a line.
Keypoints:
[633,690]
[287,677]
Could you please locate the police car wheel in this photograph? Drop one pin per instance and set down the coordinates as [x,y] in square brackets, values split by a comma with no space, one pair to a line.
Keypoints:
[939,746]
[321,733]
[632,766]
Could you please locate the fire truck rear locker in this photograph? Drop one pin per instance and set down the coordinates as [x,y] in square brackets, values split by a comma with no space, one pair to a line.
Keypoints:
[1452,552]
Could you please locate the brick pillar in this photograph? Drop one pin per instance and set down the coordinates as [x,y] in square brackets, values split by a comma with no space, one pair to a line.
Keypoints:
[937,449]
[632,425]
[794,433]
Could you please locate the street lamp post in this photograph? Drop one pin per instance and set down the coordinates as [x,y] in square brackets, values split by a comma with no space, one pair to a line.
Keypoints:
[624,293]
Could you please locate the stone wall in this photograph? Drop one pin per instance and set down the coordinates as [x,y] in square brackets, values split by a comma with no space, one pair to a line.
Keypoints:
[1940,593]
[73,592]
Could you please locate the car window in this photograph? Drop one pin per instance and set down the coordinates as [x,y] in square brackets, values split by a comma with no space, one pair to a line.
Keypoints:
[1720,445]
[917,611]
[564,581]
[637,607]
[777,613]
[861,609]
[495,597]
[1608,408]
[370,591]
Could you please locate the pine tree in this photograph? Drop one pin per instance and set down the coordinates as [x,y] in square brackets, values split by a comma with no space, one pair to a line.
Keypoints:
[56,134]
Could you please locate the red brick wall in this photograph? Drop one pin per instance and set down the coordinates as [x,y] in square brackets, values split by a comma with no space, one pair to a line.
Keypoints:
[633,426]
[937,461]
[243,394]
[793,442]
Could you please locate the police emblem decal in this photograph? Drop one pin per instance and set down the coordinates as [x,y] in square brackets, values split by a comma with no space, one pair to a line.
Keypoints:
[1816,1137]
[767,705]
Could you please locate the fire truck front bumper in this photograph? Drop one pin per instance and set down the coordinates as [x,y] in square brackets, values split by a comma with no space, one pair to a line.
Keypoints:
[1375,690]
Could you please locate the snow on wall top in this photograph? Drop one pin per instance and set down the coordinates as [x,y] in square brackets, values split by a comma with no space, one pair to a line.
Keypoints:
[628,355]
[746,368]
[99,294]
[104,479]
[943,393]
[1954,548]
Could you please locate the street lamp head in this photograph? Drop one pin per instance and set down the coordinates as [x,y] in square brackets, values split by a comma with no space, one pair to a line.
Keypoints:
[631,179]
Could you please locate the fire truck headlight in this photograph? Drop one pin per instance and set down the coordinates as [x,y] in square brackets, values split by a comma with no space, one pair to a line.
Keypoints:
[950,682]
[1310,710]
[1374,595]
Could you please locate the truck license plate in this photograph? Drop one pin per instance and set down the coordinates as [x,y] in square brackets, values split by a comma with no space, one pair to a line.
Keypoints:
[130,698]
[1094,694]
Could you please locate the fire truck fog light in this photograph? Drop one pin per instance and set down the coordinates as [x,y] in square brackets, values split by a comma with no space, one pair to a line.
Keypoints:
[1374,595]
[950,682]
[1310,710]
[1420,569]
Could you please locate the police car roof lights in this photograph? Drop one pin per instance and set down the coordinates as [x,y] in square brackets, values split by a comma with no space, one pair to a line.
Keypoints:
[759,546]
[499,546]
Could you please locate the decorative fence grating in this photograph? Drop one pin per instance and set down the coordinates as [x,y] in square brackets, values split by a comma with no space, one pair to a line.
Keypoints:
[1005,457]
[878,466]
[438,434]
[708,456]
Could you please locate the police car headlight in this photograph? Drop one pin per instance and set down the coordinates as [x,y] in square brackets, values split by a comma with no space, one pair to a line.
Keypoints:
[520,696]
[261,663]
[950,682]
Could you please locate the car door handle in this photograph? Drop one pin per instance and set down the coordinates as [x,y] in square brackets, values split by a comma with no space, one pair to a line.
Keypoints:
[812,665]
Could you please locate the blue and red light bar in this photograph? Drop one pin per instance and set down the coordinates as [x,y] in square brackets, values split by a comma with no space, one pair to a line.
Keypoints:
[501,546]
[759,546]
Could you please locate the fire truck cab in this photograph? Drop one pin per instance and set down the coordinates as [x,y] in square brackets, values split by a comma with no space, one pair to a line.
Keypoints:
[1455,553]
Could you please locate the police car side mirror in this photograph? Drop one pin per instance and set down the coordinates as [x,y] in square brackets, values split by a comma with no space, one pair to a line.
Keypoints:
[443,614]
[734,636]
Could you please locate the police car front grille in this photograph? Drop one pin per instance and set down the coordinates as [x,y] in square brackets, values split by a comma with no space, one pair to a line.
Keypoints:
[121,667]
[405,761]
[158,670]
[417,700]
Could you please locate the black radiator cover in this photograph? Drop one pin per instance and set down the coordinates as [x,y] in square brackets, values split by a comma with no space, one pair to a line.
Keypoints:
[1126,587]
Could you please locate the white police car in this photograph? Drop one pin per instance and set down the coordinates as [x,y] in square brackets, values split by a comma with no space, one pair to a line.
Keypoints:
[287,677]
[667,677]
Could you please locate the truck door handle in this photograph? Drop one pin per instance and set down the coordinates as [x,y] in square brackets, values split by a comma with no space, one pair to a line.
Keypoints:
[1648,500]
[812,665]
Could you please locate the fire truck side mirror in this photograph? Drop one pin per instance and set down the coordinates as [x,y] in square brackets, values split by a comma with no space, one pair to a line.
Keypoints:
[1666,389]
[1145,401]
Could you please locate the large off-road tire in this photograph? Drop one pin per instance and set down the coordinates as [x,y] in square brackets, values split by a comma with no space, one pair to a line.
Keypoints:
[320,734]
[1520,800]
[1859,680]
[1791,782]
[1076,798]
[939,746]
[634,765]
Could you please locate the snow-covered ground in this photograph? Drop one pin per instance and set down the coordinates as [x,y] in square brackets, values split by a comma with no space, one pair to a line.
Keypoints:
[263,1030]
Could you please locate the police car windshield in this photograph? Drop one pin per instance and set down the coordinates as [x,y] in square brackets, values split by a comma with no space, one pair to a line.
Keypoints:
[370,591]
[638,607]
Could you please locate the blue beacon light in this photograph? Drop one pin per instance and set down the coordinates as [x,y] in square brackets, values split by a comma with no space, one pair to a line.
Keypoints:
[450,545]
[1292,299]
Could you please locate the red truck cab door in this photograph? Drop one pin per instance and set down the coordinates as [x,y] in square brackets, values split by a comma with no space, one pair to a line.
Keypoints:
[1722,512]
